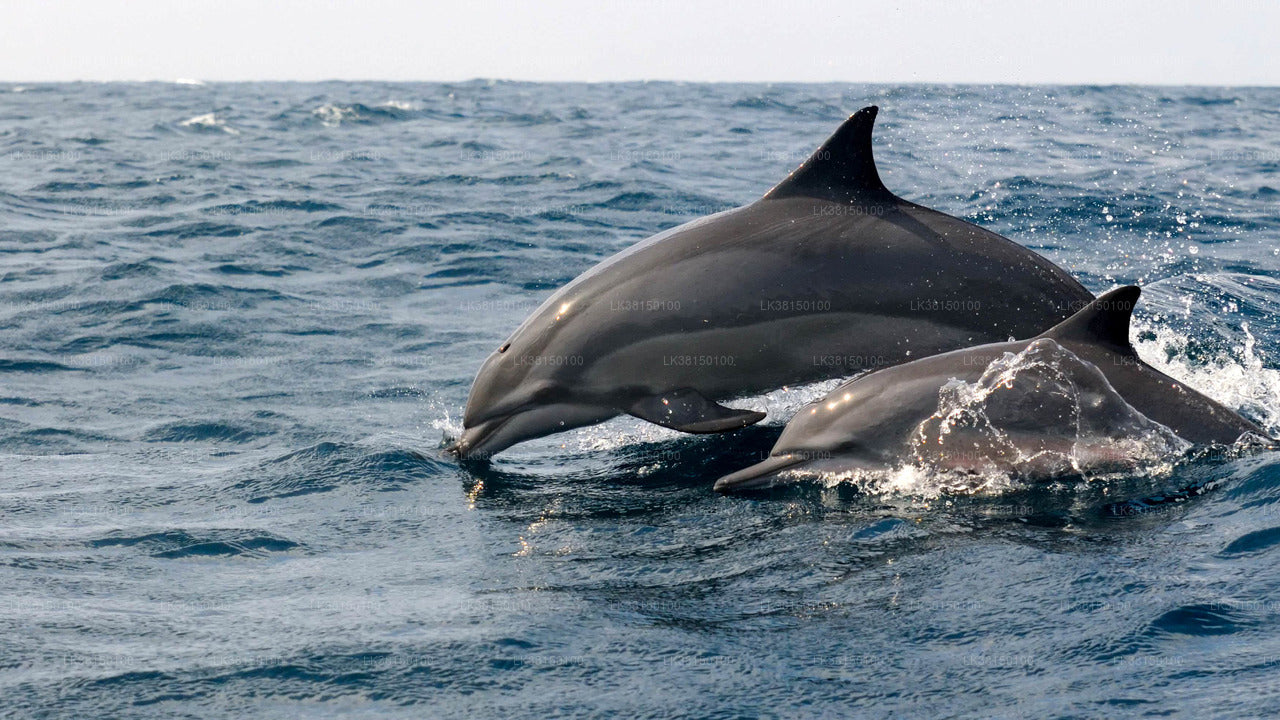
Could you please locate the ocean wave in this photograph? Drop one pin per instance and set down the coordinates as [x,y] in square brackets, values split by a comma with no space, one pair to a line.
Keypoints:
[210,297]
[198,229]
[9,365]
[210,431]
[268,207]
[335,114]
[180,544]
[670,203]
[330,466]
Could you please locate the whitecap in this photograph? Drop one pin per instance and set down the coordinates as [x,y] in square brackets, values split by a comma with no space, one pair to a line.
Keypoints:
[400,105]
[332,115]
[209,121]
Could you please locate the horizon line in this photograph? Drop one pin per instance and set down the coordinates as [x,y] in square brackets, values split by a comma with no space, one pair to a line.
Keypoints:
[196,82]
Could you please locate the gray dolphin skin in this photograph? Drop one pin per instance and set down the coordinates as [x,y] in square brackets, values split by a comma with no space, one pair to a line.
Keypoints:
[871,420]
[827,275]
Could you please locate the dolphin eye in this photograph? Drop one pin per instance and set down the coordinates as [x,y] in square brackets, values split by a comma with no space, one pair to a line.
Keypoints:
[504,347]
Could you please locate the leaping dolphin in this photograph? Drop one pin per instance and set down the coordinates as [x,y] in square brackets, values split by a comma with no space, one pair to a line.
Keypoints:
[1096,394]
[827,275]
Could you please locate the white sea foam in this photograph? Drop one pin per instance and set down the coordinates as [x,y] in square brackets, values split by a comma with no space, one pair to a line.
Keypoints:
[209,121]
[332,115]
[399,105]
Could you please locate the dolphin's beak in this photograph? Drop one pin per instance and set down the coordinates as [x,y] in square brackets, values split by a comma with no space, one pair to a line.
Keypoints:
[472,441]
[760,475]
[489,437]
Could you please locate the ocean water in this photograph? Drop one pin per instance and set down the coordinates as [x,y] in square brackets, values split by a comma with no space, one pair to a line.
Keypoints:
[238,323]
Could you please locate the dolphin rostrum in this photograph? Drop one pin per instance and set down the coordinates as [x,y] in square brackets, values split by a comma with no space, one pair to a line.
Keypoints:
[827,275]
[1086,391]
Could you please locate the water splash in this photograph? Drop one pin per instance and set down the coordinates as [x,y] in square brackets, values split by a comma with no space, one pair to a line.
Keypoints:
[1033,415]
[1237,378]
[1042,412]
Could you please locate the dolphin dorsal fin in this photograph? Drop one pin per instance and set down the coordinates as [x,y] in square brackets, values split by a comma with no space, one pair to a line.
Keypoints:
[842,170]
[1105,321]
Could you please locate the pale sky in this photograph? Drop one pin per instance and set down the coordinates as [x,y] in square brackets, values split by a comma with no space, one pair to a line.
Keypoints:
[1000,41]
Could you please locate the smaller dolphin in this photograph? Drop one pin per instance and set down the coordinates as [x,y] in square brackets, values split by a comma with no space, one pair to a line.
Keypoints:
[1086,393]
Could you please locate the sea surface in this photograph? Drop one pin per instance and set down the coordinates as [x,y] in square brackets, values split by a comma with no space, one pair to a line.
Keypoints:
[238,323]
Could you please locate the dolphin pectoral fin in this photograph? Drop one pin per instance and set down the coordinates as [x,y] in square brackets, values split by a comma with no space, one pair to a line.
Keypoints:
[688,411]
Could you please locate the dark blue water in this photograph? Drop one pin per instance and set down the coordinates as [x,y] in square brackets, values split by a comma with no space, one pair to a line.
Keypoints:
[238,322]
